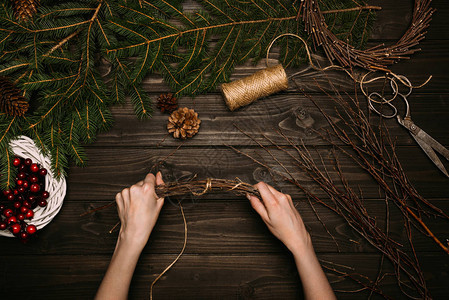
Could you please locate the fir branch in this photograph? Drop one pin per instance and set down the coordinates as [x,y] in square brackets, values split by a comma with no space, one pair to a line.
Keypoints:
[181,33]
[62,42]
[55,58]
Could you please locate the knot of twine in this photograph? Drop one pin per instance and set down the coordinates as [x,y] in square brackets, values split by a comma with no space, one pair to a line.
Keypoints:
[248,89]
[206,189]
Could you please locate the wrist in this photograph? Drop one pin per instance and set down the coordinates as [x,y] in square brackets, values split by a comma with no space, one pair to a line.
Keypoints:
[302,247]
[131,241]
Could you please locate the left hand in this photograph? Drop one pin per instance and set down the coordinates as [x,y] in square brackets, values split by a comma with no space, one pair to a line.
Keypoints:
[138,209]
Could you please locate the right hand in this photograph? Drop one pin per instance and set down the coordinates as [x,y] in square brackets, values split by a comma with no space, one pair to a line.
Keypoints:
[281,217]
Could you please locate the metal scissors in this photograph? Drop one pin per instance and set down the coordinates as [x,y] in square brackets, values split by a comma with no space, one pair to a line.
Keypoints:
[428,144]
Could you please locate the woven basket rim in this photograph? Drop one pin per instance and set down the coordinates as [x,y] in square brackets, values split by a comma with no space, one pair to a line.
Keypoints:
[25,147]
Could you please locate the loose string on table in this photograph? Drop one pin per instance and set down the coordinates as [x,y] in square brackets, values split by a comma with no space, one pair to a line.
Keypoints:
[362,81]
[177,257]
[274,79]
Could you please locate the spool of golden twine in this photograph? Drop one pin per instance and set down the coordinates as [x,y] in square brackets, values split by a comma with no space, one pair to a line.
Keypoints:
[248,89]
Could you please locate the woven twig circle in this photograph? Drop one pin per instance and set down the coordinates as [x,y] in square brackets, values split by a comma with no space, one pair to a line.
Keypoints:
[25,147]
[375,58]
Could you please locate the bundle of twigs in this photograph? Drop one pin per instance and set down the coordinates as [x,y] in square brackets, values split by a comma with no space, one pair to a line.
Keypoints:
[348,204]
[201,187]
[375,153]
[371,148]
[375,58]
[196,188]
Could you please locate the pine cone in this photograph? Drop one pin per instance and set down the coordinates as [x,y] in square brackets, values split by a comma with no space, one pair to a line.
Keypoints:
[11,100]
[183,123]
[167,103]
[24,10]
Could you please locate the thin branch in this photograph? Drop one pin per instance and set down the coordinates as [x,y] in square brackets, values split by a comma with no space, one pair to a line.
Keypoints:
[366,7]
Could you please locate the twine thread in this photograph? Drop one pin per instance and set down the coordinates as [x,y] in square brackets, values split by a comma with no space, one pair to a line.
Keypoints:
[206,189]
[248,89]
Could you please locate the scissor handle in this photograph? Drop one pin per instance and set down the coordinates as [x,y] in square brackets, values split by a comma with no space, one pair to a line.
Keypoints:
[383,102]
[394,85]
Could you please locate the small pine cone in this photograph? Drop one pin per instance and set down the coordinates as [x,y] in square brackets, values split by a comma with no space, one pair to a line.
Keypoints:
[183,123]
[11,100]
[24,10]
[167,103]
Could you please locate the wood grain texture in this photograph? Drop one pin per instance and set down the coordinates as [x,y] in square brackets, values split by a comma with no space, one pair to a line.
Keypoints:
[215,226]
[194,277]
[294,114]
[112,169]
[230,253]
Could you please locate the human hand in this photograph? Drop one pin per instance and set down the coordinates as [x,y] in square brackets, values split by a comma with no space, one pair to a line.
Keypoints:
[138,209]
[282,218]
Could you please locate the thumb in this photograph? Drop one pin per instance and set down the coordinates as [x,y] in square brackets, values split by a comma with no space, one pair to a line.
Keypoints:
[159,180]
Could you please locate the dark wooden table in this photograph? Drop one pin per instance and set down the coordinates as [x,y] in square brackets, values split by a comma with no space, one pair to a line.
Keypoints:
[230,254]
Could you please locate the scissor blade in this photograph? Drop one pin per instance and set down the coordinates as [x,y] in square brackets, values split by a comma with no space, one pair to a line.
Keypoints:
[429,151]
[433,143]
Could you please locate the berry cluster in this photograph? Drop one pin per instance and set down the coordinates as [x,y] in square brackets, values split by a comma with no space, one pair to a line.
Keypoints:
[16,205]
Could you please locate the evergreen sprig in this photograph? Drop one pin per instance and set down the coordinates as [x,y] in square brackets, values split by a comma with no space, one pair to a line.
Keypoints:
[55,59]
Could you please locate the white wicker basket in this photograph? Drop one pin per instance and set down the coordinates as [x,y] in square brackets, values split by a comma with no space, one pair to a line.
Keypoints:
[24,147]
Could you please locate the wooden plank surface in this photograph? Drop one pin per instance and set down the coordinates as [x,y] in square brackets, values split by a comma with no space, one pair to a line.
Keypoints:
[224,226]
[230,253]
[195,276]
[218,126]
[112,169]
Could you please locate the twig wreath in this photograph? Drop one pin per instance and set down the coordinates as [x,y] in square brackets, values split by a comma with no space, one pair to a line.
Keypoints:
[378,57]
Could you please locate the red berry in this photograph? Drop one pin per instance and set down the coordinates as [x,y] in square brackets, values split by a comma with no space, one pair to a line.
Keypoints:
[34,168]
[25,184]
[29,214]
[7,192]
[11,197]
[17,204]
[17,161]
[31,229]
[26,203]
[43,172]
[19,182]
[2,207]
[33,178]
[21,190]
[23,235]
[11,220]
[34,188]
[15,228]
[15,192]
[3,225]
[20,217]
[27,162]
[8,212]
[42,203]
[21,175]
[21,168]
[45,194]
[23,210]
